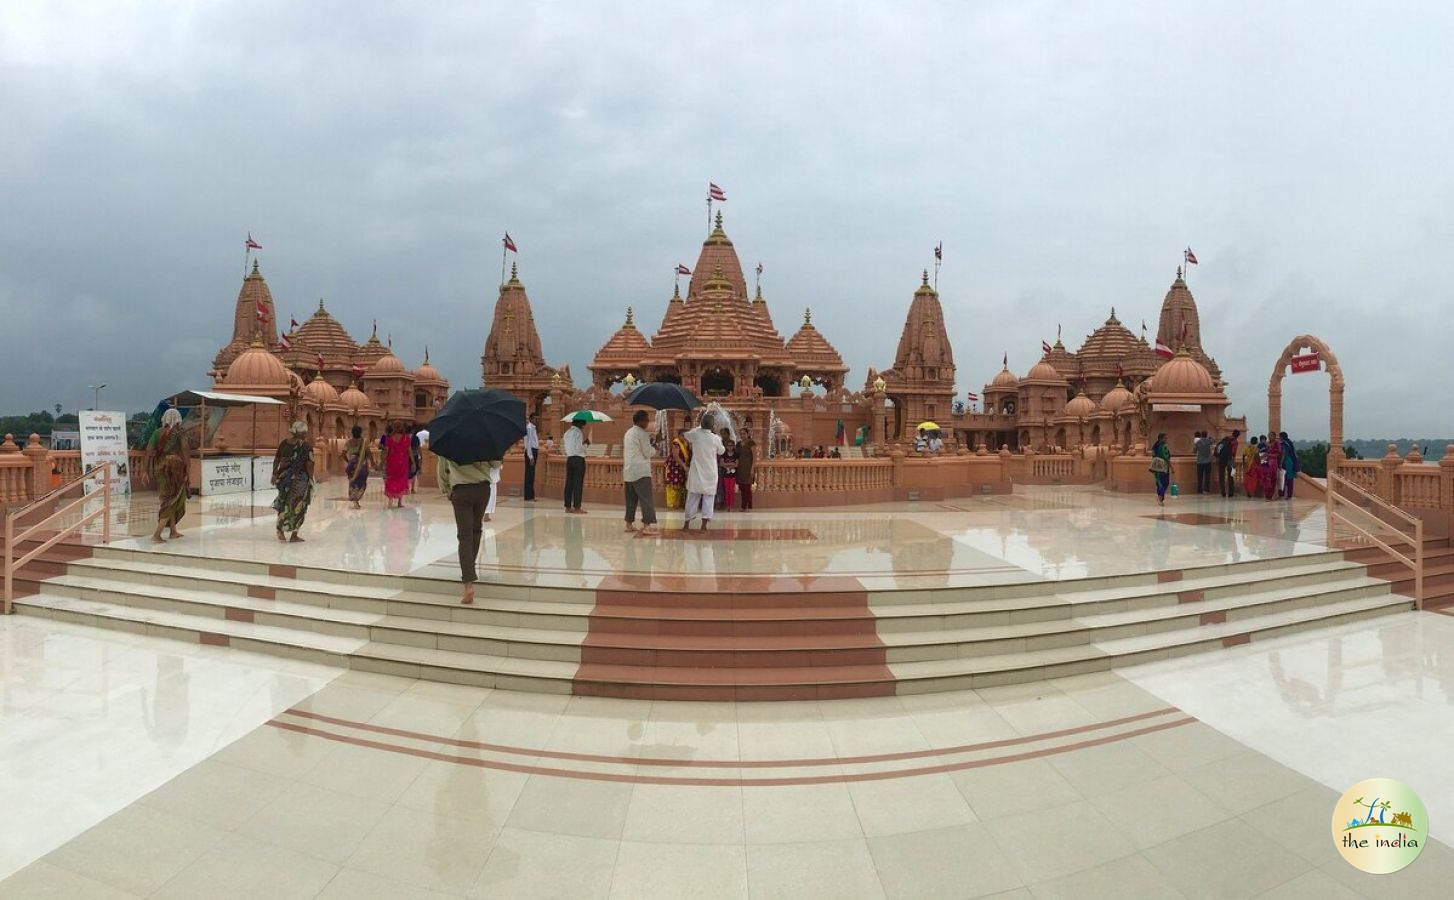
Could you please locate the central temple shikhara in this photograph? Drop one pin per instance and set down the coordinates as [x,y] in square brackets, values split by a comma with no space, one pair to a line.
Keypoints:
[1111,396]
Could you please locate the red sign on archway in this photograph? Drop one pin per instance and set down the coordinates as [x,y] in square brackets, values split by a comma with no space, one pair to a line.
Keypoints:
[1308,362]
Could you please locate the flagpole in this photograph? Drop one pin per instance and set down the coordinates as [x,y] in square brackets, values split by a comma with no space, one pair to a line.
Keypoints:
[937,261]
[246,258]
[709,213]
[503,251]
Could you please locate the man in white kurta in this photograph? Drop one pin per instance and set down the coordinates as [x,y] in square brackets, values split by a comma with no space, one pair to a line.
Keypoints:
[702,473]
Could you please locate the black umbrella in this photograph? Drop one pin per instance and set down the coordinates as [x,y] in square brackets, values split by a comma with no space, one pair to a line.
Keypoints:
[477,424]
[663,395]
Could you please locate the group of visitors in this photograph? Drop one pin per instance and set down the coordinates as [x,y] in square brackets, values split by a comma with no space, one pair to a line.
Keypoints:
[1267,466]
[705,471]
[819,453]
[927,441]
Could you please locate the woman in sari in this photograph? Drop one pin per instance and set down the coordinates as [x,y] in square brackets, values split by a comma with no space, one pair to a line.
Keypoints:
[398,461]
[1161,467]
[293,477]
[678,456]
[356,466]
[168,454]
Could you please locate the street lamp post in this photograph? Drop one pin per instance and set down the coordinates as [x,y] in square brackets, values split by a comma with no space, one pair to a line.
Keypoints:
[95,395]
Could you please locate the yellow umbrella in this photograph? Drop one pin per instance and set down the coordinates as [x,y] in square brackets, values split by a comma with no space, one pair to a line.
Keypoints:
[929,426]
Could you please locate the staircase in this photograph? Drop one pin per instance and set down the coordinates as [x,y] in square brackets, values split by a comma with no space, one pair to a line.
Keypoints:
[1438,571]
[675,637]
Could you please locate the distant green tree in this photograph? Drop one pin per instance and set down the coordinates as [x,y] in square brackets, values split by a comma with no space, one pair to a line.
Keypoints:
[1313,459]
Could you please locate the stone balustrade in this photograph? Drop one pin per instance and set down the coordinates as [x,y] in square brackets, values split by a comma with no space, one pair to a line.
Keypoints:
[1424,490]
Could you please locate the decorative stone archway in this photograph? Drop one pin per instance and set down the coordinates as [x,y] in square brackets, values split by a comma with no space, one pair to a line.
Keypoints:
[1330,364]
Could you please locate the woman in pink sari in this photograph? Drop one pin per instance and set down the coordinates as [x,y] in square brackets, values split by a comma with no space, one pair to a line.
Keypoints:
[398,460]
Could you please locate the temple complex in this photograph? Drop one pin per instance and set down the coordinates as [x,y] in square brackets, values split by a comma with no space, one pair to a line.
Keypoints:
[1116,392]
[320,373]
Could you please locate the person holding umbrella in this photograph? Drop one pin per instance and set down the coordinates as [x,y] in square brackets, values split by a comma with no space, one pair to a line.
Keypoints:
[470,435]
[575,466]
[636,473]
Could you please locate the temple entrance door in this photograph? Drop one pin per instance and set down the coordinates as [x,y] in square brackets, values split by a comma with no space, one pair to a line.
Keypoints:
[1325,360]
[771,385]
[717,382]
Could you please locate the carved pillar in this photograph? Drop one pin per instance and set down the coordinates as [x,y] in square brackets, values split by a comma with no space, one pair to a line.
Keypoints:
[1274,403]
[1335,425]
[39,467]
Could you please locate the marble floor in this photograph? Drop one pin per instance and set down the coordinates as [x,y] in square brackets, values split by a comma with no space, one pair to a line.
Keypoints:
[134,766]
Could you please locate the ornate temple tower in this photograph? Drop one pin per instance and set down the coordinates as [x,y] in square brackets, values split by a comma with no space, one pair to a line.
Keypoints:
[246,325]
[1181,326]
[717,341]
[513,360]
[921,381]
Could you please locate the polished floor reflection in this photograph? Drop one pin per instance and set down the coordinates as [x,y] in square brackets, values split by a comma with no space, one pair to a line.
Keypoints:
[135,768]
[1033,534]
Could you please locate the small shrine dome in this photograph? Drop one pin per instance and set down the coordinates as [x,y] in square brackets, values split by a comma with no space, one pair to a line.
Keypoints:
[257,367]
[426,373]
[1183,375]
[388,364]
[355,399]
[1079,407]
[1043,372]
[1005,378]
[321,392]
[1117,398]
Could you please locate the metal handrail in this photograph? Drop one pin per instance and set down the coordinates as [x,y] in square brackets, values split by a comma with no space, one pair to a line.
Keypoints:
[1335,479]
[22,510]
[1414,562]
[13,564]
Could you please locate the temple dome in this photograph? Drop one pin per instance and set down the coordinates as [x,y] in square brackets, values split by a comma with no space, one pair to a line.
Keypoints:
[323,334]
[1183,375]
[427,372]
[627,347]
[256,367]
[355,399]
[1079,406]
[811,351]
[1116,399]
[388,364]
[1043,371]
[1107,345]
[1005,378]
[321,392]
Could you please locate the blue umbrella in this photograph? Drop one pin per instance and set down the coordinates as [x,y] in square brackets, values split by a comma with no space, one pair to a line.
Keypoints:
[476,425]
[663,395]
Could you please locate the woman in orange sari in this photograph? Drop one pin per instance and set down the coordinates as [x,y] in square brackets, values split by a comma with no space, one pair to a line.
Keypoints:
[168,455]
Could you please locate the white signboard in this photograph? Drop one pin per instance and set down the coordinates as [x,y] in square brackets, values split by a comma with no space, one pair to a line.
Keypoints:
[103,441]
[262,473]
[226,475]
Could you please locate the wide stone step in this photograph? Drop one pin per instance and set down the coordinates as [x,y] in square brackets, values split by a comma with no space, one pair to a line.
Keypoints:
[1065,632]
[1011,668]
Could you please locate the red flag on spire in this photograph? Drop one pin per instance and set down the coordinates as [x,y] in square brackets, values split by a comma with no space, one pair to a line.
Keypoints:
[1006,361]
[939,251]
[683,270]
[252,244]
[320,362]
[509,244]
[294,322]
[262,313]
[285,343]
[715,193]
[1163,350]
[1190,257]
[1045,347]
[972,398]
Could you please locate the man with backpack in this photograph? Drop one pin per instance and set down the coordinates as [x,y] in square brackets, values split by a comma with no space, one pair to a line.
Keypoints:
[1226,461]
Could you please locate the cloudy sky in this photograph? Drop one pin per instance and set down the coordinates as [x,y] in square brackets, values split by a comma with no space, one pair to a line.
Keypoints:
[1065,154]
